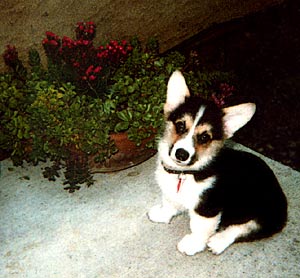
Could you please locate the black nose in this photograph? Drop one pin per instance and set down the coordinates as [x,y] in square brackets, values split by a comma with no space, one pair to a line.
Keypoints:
[182,154]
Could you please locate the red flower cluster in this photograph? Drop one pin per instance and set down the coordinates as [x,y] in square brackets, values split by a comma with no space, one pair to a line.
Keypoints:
[81,57]
[225,90]
[11,57]
[51,39]
[51,45]
[91,73]
[114,52]
[85,31]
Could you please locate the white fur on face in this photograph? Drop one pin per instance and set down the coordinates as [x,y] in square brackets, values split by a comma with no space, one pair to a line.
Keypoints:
[187,143]
[202,161]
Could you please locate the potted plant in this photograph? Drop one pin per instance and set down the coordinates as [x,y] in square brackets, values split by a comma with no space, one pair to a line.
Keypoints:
[80,109]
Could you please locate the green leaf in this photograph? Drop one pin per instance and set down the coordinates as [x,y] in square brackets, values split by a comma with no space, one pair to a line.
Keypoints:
[130,116]
[20,134]
[125,115]
[158,63]
[122,116]
[121,126]
[131,89]
[109,106]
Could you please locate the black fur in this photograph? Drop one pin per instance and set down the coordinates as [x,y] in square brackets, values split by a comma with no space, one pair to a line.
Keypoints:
[245,189]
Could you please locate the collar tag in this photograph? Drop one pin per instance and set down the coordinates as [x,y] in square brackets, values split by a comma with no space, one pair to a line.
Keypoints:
[181,179]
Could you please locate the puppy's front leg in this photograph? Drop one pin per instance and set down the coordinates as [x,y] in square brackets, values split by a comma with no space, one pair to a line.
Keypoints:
[202,228]
[163,213]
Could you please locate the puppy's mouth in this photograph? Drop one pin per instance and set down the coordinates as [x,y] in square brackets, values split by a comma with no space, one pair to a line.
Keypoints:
[179,168]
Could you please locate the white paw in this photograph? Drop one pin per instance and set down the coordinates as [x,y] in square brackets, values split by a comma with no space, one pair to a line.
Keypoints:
[190,245]
[218,243]
[161,214]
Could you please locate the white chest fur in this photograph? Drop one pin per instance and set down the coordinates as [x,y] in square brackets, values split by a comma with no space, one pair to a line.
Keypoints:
[189,194]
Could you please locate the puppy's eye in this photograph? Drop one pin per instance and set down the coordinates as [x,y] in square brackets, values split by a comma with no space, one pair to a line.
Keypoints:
[180,127]
[203,138]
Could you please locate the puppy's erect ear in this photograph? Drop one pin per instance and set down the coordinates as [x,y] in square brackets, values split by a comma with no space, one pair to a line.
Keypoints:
[237,116]
[177,91]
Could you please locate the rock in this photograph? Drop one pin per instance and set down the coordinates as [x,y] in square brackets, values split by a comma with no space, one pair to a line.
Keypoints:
[24,22]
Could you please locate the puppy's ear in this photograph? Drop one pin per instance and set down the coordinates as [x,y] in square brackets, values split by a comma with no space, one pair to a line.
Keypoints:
[176,93]
[237,116]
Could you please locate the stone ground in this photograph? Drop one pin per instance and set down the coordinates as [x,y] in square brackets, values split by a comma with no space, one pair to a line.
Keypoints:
[103,231]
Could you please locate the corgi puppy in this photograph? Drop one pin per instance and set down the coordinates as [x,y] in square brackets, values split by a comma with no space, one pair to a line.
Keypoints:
[230,195]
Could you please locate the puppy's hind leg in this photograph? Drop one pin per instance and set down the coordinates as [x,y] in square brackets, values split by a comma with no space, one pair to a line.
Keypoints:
[223,239]
[163,213]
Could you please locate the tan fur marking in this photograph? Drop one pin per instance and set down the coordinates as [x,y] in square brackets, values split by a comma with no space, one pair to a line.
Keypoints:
[188,123]
[202,128]
[210,148]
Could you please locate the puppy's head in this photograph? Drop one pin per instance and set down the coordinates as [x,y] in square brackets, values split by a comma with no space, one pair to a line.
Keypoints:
[196,128]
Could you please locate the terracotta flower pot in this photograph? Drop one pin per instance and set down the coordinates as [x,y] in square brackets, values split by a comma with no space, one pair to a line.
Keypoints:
[128,155]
